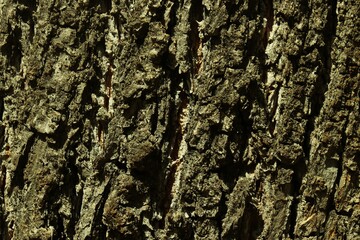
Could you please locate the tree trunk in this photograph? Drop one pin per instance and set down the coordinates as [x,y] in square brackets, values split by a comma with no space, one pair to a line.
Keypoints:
[179,119]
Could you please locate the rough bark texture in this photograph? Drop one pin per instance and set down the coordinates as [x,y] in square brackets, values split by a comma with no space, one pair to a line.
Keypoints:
[179,119]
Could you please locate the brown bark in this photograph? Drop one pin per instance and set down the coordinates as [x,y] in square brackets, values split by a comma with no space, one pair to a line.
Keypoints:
[179,119]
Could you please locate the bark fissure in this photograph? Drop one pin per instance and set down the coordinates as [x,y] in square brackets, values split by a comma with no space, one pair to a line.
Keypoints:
[12,48]
[2,199]
[179,146]
[18,178]
[52,215]
[330,206]
[221,214]
[300,169]
[176,154]
[196,16]
[98,228]
[108,86]
[1,115]
[71,179]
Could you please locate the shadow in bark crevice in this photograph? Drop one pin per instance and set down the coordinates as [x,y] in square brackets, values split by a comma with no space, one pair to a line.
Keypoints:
[98,228]
[12,48]
[234,165]
[2,108]
[103,6]
[173,135]
[220,215]
[195,42]
[18,179]
[299,169]
[51,209]
[250,226]
[71,178]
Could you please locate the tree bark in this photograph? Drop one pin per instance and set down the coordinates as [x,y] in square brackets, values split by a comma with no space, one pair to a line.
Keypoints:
[177,119]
